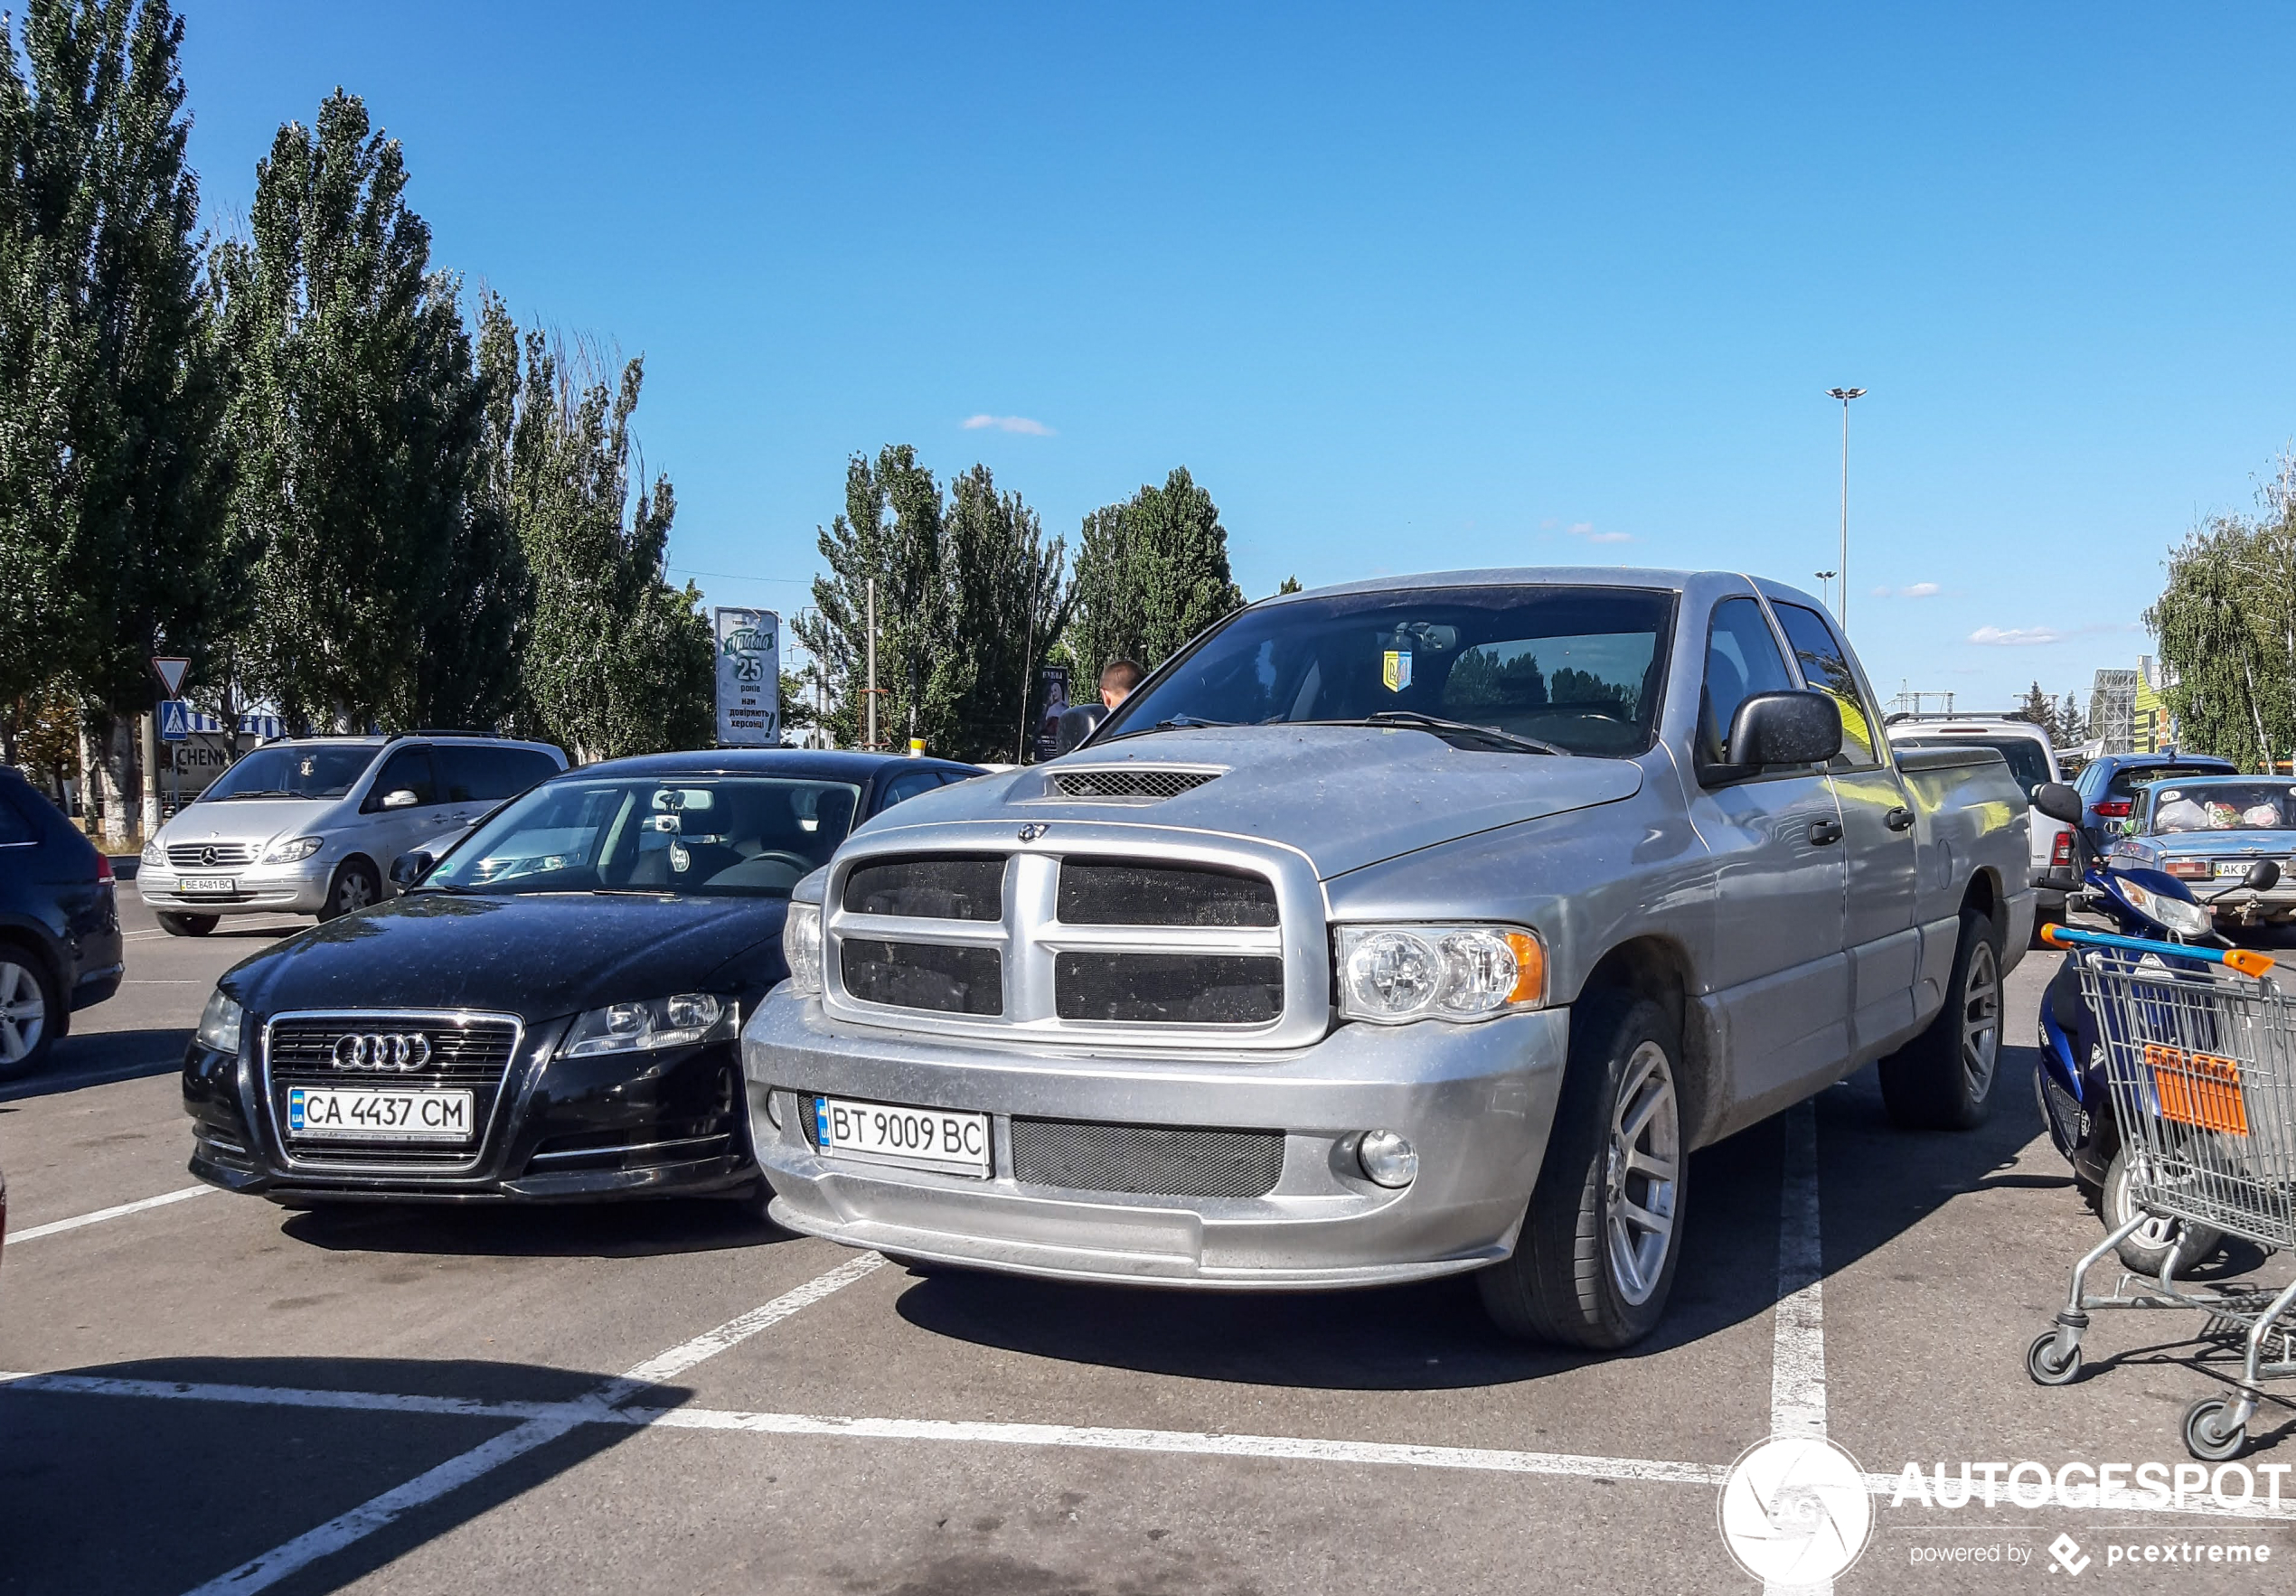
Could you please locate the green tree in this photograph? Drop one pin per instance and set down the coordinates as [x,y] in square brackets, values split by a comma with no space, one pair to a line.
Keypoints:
[2037,707]
[614,661]
[1151,573]
[2226,622]
[357,421]
[109,480]
[1290,584]
[1008,600]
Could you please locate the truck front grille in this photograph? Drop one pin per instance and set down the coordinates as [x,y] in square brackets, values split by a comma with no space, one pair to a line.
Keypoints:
[1169,989]
[1143,892]
[1149,1161]
[924,975]
[944,886]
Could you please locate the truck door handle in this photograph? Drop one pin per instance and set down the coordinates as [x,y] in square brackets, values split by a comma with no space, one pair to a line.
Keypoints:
[1898,819]
[1823,833]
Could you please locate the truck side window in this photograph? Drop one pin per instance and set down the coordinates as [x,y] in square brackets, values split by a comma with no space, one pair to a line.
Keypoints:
[1742,659]
[1825,665]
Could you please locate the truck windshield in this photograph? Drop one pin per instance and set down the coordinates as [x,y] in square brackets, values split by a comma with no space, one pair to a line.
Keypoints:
[1581,668]
[325,770]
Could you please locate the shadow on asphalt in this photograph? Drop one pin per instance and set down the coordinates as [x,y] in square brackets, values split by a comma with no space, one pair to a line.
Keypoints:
[1875,1182]
[148,1496]
[97,1058]
[643,1228]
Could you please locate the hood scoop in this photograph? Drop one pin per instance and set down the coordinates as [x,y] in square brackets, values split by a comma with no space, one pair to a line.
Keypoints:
[1126,783]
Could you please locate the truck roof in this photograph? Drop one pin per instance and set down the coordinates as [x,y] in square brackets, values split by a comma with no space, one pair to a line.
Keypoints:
[1553,576]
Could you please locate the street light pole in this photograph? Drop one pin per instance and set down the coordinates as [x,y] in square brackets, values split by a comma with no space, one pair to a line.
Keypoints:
[1842,607]
[1825,590]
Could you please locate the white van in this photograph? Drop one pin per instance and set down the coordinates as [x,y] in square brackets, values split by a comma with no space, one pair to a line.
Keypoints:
[311,826]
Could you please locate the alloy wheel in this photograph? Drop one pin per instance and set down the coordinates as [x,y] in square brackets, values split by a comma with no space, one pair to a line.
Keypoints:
[353,892]
[24,1012]
[1980,1021]
[1640,1172]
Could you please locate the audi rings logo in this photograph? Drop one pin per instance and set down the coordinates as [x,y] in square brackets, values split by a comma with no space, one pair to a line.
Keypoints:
[401,1050]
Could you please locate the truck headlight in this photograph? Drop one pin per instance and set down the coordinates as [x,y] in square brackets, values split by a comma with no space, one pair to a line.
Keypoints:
[657,1022]
[293,851]
[801,949]
[1393,974]
[219,1024]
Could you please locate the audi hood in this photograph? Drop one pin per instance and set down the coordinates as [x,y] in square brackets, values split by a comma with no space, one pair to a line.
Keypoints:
[538,955]
[1346,796]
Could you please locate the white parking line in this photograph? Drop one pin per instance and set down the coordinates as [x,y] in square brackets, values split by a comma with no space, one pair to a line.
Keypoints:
[261,1572]
[1798,1341]
[58,1227]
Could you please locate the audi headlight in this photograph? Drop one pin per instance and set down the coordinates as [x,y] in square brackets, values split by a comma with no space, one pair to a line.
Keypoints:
[656,1022]
[219,1024]
[801,949]
[2186,919]
[294,851]
[1394,974]
[154,854]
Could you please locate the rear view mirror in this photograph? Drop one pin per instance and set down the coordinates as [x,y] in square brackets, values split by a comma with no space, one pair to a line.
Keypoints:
[2058,802]
[1785,729]
[2263,876]
[404,798]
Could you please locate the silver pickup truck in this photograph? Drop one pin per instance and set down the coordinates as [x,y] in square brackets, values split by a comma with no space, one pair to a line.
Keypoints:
[1410,927]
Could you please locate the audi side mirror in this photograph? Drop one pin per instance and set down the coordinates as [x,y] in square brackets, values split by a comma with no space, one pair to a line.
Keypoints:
[1797,727]
[404,798]
[407,869]
[2058,802]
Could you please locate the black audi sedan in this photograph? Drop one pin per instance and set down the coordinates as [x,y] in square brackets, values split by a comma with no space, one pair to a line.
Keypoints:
[549,1012]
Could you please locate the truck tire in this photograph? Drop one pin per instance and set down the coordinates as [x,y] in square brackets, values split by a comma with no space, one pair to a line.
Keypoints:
[1597,1254]
[1942,1080]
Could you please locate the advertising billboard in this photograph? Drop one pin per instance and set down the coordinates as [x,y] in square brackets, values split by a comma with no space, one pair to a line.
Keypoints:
[749,679]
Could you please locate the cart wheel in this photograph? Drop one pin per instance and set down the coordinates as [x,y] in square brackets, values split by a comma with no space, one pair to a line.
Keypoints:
[2042,1362]
[2203,1438]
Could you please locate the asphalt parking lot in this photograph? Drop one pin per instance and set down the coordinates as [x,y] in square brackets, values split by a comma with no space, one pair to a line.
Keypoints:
[208,1393]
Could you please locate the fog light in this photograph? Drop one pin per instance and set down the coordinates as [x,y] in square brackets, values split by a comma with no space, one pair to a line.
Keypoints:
[1387,1158]
[772,1106]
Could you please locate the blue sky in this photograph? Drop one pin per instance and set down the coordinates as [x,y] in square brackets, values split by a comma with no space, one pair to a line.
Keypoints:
[1407,289]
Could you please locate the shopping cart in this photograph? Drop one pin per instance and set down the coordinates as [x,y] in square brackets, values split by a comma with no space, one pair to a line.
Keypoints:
[2200,1069]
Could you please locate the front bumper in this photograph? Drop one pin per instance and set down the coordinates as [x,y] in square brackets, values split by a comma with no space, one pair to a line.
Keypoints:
[260,889]
[1476,1102]
[665,1124]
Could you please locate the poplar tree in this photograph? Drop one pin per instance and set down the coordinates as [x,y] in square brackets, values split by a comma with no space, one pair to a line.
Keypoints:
[1152,573]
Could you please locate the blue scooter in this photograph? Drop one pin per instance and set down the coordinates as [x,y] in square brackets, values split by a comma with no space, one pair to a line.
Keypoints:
[2156,914]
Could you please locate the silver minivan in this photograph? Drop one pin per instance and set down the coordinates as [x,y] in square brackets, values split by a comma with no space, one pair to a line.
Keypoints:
[311,826]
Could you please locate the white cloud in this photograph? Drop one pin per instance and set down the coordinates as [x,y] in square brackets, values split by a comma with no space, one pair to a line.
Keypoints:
[1920,590]
[1585,529]
[1007,423]
[2016,636]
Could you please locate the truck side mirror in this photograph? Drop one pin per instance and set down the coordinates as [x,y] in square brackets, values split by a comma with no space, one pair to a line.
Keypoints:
[1796,728]
[2058,802]
[407,869]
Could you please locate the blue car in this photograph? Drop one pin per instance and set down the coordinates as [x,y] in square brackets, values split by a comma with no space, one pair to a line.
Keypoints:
[2108,784]
[60,948]
[2206,831]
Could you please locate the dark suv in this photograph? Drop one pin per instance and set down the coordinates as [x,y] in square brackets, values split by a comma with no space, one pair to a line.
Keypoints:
[59,946]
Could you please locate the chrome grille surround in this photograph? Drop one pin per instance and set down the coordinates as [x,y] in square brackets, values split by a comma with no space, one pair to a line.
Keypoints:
[488,1082]
[1031,936]
[1126,783]
[209,856]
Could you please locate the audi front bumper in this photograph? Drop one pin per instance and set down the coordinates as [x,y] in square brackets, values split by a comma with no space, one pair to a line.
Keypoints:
[1476,1101]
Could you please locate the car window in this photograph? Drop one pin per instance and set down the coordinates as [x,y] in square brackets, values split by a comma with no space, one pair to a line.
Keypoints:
[325,770]
[2130,778]
[2263,805]
[408,770]
[2028,762]
[1825,665]
[474,773]
[15,826]
[903,787]
[1742,659]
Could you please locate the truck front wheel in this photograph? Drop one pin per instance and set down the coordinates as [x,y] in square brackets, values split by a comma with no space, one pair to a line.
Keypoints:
[1597,1254]
[1942,1080]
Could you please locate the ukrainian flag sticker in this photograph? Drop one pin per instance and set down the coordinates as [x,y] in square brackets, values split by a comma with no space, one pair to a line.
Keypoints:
[1394,671]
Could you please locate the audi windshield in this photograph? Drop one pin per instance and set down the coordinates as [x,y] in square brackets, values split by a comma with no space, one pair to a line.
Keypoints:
[708,835]
[325,770]
[1547,669]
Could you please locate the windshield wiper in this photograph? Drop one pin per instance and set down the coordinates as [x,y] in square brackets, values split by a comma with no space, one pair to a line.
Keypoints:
[1177,723]
[265,792]
[1448,728]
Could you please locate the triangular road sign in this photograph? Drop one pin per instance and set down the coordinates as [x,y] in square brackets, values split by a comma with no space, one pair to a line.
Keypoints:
[171,674]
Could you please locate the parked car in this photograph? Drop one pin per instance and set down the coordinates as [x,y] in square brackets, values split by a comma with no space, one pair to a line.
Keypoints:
[549,1012]
[60,945]
[2032,760]
[2207,830]
[1415,927]
[2108,786]
[310,826]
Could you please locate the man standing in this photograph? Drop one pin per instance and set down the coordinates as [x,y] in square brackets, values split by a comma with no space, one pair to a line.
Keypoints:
[1117,679]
